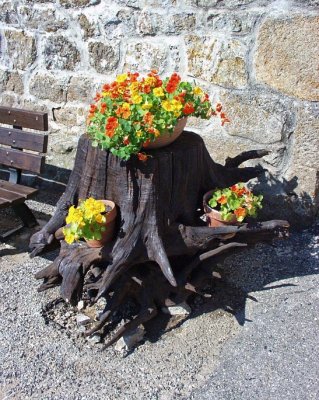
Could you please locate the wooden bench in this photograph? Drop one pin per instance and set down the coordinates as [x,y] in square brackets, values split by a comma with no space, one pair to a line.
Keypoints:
[21,150]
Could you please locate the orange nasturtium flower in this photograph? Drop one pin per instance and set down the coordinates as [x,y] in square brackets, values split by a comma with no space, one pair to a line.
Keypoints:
[240,212]
[222,200]
[111,124]
[148,118]
[124,111]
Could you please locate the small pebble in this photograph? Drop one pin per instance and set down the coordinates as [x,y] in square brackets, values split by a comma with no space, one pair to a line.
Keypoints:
[82,319]
[179,309]
[96,338]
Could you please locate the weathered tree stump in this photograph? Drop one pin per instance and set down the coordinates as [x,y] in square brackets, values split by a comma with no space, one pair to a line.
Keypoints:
[159,202]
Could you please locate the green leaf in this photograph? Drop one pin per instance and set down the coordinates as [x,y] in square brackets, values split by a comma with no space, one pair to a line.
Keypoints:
[212,203]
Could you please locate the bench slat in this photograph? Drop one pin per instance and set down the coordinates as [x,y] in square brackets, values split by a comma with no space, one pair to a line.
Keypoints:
[22,190]
[24,140]
[24,118]
[21,160]
[10,197]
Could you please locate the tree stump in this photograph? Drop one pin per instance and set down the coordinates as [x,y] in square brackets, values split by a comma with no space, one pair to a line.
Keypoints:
[159,203]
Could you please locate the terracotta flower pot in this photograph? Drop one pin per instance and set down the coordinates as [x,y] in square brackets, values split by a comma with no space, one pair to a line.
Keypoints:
[166,138]
[108,234]
[214,217]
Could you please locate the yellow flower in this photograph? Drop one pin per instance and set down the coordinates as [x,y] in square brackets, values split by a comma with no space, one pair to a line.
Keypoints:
[75,216]
[121,78]
[177,105]
[69,237]
[173,105]
[150,80]
[197,90]
[126,106]
[139,133]
[100,219]
[105,94]
[158,92]
[92,208]
[156,132]
[167,105]
[147,106]
[177,113]
[134,88]
[136,99]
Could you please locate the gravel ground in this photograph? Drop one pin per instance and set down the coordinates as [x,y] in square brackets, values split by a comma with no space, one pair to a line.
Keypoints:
[39,360]
[274,356]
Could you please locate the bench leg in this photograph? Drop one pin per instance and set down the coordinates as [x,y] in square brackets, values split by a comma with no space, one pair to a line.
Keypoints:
[25,214]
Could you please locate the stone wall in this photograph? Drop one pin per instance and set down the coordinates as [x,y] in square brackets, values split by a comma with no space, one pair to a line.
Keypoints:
[259,58]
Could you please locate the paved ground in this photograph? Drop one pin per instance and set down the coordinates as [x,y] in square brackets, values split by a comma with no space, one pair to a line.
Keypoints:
[257,338]
[275,355]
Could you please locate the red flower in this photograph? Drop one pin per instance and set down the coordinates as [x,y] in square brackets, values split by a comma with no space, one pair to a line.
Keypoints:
[219,107]
[239,191]
[126,140]
[97,96]
[188,108]
[147,89]
[103,108]
[180,98]
[159,82]
[111,124]
[142,156]
[173,82]
[234,188]
[93,108]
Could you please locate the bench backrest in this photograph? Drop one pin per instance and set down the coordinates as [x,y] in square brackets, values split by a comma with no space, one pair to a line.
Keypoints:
[25,149]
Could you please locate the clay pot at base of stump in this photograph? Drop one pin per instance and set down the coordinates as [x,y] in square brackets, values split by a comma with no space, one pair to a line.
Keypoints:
[166,138]
[108,234]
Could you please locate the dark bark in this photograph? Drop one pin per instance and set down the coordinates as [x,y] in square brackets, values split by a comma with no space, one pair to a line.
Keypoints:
[158,202]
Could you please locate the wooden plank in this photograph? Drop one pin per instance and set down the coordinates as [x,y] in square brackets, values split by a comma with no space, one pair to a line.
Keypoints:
[10,197]
[24,118]
[3,203]
[21,160]
[24,140]
[22,190]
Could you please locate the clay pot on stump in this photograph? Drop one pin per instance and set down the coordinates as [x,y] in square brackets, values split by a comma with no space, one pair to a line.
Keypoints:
[167,138]
[108,234]
[213,217]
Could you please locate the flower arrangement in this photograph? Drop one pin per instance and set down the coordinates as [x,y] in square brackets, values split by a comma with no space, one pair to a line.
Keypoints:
[131,112]
[236,201]
[86,221]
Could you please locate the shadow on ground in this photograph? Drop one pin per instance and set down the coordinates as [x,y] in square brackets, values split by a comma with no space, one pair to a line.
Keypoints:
[257,269]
